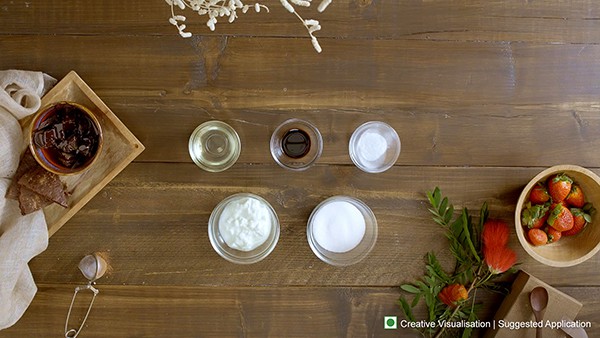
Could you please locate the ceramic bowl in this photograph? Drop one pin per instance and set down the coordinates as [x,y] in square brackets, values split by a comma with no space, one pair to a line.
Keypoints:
[568,251]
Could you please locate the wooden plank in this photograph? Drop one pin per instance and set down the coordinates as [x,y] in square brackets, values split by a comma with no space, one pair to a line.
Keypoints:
[152,219]
[134,311]
[218,74]
[464,136]
[537,21]
[438,96]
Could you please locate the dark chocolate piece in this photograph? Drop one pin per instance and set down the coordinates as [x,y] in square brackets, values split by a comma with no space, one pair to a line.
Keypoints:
[27,163]
[30,201]
[46,184]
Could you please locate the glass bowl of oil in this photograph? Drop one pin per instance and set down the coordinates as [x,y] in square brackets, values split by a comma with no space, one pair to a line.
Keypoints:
[214,146]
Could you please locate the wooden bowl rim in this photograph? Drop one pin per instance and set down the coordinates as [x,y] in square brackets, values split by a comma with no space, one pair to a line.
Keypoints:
[519,228]
[33,147]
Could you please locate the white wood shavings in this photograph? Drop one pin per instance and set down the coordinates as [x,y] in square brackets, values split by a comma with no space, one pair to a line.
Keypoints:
[228,8]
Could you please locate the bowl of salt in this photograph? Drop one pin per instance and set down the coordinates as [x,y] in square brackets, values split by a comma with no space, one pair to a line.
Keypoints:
[374,147]
[342,230]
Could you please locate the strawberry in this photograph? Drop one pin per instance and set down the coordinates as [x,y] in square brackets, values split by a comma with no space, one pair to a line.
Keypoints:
[560,217]
[537,237]
[539,194]
[553,234]
[534,216]
[580,221]
[559,187]
[576,198]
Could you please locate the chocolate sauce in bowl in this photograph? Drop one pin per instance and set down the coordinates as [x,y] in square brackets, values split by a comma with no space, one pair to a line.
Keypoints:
[296,143]
[67,136]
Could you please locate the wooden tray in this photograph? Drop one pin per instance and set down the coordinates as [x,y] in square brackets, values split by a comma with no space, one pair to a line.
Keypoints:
[516,308]
[119,149]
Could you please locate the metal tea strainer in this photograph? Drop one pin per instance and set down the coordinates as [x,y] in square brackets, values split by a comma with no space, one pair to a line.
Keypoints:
[93,267]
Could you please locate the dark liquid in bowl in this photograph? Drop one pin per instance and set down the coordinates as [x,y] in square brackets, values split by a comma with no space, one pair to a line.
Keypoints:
[296,143]
[67,136]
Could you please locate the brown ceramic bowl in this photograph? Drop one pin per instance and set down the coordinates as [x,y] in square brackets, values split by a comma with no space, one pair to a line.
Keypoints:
[568,251]
[42,134]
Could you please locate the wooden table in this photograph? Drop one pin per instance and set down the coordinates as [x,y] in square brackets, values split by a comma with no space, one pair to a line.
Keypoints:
[484,95]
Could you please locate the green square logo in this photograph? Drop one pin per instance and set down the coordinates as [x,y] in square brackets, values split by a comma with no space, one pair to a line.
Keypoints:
[390,322]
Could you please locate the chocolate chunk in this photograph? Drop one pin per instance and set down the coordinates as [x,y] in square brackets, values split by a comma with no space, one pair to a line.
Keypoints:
[30,201]
[68,135]
[46,184]
[27,163]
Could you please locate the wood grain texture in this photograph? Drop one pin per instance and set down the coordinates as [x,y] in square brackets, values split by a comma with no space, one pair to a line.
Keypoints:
[484,95]
[538,21]
[159,214]
[438,95]
[143,311]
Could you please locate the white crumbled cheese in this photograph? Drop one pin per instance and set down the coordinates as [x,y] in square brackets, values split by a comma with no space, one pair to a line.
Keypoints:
[245,224]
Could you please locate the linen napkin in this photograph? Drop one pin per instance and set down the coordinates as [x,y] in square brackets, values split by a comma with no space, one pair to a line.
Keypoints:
[21,237]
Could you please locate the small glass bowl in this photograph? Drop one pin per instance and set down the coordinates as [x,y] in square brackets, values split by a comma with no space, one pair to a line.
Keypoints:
[214,146]
[356,254]
[234,255]
[291,163]
[368,159]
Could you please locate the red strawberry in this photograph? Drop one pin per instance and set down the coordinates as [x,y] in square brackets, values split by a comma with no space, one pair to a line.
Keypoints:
[553,234]
[576,198]
[560,218]
[534,216]
[559,187]
[537,237]
[539,194]
[580,220]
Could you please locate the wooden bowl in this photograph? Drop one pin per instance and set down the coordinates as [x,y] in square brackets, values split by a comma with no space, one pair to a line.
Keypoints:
[568,251]
[48,158]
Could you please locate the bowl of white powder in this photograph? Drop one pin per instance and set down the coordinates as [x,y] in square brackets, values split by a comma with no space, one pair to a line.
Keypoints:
[374,147]
[341,230]
[243,228]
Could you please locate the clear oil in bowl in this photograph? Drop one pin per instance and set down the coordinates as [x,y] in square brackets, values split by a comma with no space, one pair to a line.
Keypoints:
[214,146]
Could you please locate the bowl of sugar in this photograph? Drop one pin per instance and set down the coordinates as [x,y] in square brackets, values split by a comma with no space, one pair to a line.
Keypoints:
[243,228]
[374,147]
[341,230]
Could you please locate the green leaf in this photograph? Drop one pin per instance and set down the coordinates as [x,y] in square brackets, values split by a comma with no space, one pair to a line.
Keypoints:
[406,309]
[410,288]
[422,286]
[449,214]
[435,268]
[443,206]
[430,281]
[476,233]
[416,300]
[467,237]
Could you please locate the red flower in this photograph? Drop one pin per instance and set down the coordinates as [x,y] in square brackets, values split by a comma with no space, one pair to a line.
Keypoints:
[499,259]
[495,233]
[452,294]
[496,254]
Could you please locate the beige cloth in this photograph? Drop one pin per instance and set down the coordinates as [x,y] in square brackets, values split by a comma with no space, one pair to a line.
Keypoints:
[21,237]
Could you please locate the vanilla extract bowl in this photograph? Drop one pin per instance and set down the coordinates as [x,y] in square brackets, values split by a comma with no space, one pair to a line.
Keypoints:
[65,138]
[296,144]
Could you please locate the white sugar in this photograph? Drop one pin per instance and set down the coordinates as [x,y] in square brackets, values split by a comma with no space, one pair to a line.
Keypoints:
[372,148]
[338,226]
